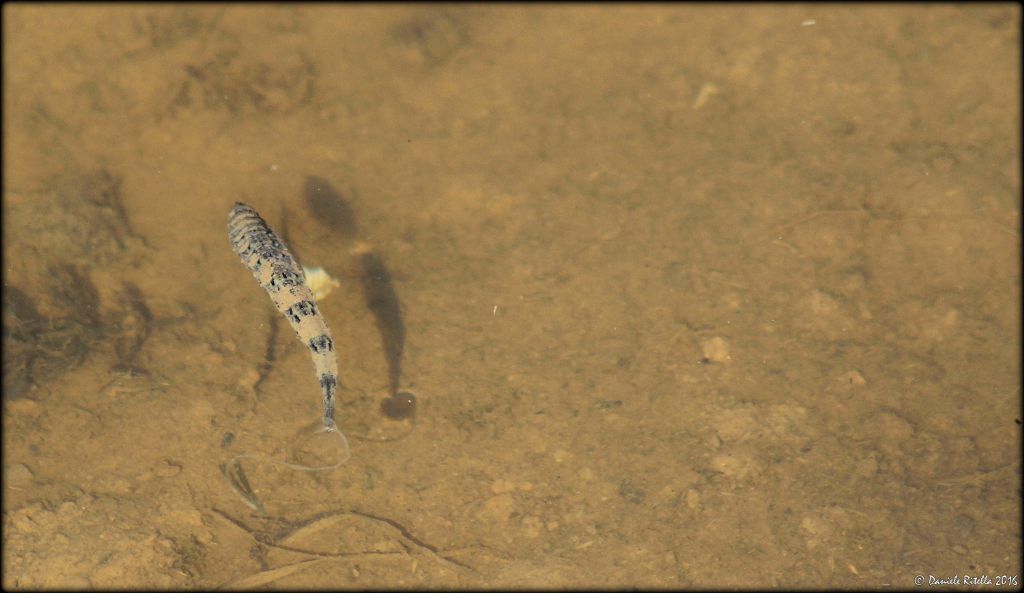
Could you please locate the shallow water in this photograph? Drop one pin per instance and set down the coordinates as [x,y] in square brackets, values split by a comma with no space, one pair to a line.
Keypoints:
[689,296]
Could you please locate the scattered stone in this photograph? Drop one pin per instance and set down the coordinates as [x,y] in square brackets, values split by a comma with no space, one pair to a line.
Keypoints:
[17,475]
[853,378]
[716,350]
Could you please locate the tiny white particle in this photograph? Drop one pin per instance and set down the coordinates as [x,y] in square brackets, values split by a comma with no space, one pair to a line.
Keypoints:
[808,22]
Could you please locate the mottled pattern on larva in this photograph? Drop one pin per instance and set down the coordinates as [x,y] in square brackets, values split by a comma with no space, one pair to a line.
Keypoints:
[274,267]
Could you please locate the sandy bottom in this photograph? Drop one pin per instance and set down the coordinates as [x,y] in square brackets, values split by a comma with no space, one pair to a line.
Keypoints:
[692,296]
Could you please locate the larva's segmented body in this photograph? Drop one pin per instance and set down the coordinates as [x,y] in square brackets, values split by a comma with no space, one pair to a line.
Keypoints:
[274,267]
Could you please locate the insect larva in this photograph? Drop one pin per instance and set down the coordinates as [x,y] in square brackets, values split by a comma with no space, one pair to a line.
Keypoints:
[274,267]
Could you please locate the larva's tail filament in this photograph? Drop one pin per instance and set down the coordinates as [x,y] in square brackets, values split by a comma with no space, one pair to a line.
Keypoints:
[325,437]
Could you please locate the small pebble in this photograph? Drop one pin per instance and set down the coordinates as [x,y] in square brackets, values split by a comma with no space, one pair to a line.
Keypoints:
[853,378]
[17,475]
[166,469]
[716,350]
[502,486]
